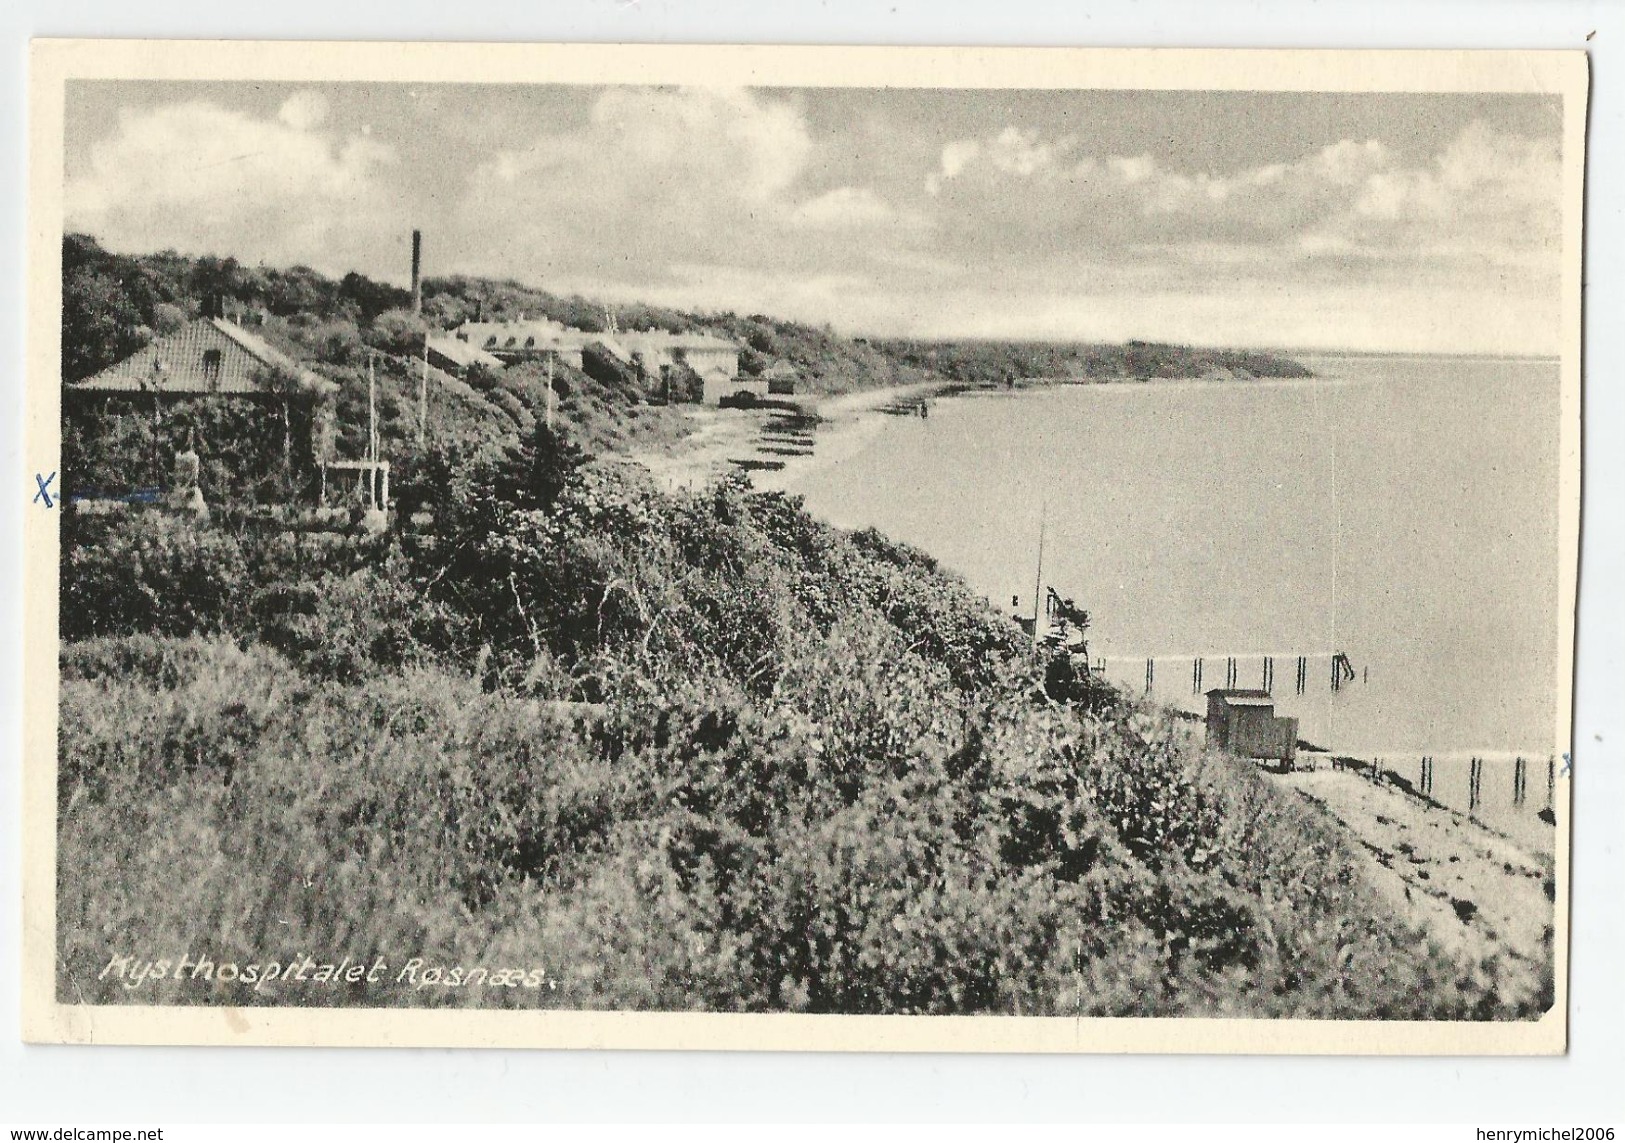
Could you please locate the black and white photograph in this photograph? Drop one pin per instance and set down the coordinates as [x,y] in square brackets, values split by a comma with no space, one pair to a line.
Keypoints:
[541,550]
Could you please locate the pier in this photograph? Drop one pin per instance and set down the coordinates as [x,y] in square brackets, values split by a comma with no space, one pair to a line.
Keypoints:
[1239,669]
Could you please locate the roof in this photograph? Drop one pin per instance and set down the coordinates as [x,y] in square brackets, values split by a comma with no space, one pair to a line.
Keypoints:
[664,339]
[208,355]
[463,353]
[529,337]
[261,349]
[543,333]
[479,331]
[699,341]
[1240,697]
[612,347]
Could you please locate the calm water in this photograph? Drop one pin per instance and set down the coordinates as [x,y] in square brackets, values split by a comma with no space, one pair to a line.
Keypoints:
[1399,510]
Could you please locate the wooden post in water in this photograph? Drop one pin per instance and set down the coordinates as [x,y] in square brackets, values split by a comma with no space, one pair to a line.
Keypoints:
[1475,773]
[1303,673]
[1196,676]
[1518,781]
[1150,675]
[1269,674]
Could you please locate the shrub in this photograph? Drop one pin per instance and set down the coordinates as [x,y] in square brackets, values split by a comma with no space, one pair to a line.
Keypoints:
[152,573]
[691,751]
[397,332]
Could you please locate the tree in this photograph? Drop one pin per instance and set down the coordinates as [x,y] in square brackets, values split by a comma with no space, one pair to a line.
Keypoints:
[399,332]
[334,342]
[214,279]
[286,386]
[167,318]
[534,474]
[372,298]
[481,376]
[101,323]
[300,290]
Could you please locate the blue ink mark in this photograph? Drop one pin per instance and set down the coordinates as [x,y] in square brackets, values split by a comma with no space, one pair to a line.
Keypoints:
[1568,765]
[44,492]
[137,496]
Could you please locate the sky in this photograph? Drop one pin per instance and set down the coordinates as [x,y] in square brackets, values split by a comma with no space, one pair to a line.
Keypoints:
[1382,222]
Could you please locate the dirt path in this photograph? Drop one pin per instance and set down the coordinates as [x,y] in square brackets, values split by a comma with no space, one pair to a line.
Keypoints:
[1472,889]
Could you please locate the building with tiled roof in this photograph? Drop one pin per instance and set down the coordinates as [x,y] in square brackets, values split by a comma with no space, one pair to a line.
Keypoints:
[208,356]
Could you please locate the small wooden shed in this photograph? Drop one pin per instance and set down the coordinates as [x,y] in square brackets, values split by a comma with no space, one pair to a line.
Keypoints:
[1244,722]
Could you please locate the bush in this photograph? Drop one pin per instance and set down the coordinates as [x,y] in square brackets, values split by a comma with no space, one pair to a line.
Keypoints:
[152,573]
[334,343]
[690,751]
[397,332]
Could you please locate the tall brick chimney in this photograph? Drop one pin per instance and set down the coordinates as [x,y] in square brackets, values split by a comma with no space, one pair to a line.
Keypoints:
[417,272]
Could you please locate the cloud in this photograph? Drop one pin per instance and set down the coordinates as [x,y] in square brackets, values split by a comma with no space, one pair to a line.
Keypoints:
[712,197]
[304,110]
[656,179]
[1488,198]
[844,208]
[1474,227]
[204,179]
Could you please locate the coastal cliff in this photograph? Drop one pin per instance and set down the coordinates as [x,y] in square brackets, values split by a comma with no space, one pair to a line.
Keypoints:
[648,748]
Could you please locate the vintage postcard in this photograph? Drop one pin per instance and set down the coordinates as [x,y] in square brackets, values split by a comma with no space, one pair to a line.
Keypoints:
[801,548]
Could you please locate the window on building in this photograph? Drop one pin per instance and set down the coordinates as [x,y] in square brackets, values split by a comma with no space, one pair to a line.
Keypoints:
[211,367]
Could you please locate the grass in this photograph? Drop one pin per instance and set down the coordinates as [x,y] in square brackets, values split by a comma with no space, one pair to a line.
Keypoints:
[670,752]
[569,740]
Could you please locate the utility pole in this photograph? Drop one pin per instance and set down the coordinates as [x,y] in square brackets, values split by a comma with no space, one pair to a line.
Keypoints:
[372,429]
[550,394]
[423,393]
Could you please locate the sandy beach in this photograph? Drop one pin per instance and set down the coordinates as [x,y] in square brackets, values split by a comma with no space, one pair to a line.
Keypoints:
[775,442]
[1469,887]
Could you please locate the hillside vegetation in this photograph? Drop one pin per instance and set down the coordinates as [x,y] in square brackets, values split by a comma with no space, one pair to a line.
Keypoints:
[995,362]
[113,304]
[672,752]
[645,749]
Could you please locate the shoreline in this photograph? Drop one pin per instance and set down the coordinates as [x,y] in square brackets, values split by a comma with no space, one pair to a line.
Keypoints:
[776,441]
[1468,886]
[780,445]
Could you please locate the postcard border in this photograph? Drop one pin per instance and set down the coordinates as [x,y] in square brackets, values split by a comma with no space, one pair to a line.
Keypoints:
[54,62]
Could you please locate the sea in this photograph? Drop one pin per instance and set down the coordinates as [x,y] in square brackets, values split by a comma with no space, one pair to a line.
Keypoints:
[1401,512]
